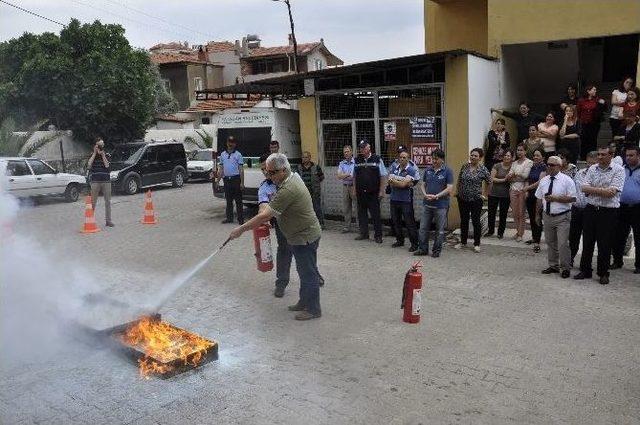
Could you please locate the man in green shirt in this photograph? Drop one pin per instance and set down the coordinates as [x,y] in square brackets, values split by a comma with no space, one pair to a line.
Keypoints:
[293,208]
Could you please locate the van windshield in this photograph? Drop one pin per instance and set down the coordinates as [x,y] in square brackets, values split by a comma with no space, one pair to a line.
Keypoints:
[127,154]
[201,156]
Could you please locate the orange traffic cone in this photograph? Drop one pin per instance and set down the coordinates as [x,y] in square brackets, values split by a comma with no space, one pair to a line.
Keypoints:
[149,216]
[89,219]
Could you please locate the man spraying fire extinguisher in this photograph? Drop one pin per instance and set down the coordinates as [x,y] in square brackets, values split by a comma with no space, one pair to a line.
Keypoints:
[293,209]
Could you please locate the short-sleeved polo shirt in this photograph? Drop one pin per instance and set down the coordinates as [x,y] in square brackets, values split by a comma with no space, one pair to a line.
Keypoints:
[435,181]
[266,191]
[231,163]
[293,209]
[346,167]
[631,191]
[410,172]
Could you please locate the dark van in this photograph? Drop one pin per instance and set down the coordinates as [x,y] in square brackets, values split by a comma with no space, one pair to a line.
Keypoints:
[140,165]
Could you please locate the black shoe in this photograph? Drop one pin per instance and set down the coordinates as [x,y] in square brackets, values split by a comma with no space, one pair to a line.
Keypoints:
[413,248]
[321,283]
[396,244]
[615,265]
[296,307]
[278,292]
[435,255]
[240,222]
[529,242]
[361,237]
[550,270]
[582,275]
[565,274]
[378,239]
[489,234]
[604,280]
[420,252]
[109,224]
[500,236]
[227,221]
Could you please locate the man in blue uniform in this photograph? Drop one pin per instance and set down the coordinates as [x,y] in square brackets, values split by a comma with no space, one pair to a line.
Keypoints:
[266,191]
[403,175]
[230,170]
[369,175]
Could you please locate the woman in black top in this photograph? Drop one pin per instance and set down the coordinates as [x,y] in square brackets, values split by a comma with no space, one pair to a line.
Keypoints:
[570,134]
[498,142]
[570,98]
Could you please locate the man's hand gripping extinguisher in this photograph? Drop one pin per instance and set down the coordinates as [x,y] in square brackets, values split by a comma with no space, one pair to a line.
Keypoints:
[262,243]
[412,294]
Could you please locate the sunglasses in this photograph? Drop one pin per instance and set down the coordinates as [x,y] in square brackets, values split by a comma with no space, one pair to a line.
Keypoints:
[272,172]
[553,165]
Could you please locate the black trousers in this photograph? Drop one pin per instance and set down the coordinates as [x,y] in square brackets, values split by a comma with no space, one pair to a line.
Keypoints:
[232,192]
[471,209]
[536,229]
[369,203]
[400,210]
[597,226]
[575,230]
[589,138]
[494,203]
[629,219]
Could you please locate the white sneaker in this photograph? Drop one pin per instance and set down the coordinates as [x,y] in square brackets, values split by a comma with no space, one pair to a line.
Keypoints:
[476,249]
[459,246]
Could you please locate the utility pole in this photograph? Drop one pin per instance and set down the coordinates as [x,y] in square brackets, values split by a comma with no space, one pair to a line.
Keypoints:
[293,36]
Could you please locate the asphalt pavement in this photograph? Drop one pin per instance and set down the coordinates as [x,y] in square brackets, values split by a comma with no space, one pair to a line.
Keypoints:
[498,342]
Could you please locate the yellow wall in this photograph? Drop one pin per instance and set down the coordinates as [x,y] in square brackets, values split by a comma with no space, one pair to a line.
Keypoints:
[485,25]
[455,24]
[456,95]
[309,126]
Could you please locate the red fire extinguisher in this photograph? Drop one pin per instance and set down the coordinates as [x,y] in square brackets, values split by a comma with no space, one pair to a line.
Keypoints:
[412,294]
[262,243]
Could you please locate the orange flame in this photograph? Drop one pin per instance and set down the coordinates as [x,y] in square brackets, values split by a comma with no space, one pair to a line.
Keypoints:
[163,343]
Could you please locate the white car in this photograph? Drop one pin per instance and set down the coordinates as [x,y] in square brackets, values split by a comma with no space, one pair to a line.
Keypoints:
[200,164]
[33,177]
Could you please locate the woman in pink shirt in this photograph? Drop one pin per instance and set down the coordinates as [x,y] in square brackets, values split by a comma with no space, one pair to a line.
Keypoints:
[548,133]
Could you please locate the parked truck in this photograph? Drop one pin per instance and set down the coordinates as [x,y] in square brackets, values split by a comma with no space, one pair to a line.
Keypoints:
[253,130]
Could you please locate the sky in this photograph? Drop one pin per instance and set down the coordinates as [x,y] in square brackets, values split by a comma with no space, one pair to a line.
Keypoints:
[354,30]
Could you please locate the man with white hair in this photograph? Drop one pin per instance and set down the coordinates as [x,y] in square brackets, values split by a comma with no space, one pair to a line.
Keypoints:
[556,192]
[293,209]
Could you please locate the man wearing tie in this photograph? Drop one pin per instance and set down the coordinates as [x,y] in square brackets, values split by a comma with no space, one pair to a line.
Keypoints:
[556,192]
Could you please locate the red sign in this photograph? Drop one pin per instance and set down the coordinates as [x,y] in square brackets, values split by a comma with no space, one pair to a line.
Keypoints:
[421,153]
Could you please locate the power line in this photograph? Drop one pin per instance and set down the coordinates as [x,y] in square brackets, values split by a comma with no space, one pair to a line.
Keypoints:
[160,19]
[32,13]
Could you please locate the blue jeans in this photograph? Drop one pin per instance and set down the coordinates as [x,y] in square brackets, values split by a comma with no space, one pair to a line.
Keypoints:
[283,259]
[307,265]
[439,215]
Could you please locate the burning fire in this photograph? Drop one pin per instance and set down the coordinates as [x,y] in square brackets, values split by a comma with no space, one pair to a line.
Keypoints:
[164,345]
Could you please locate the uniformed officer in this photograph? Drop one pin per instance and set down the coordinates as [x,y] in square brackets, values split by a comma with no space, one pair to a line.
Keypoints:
[369,175]
[283,254]
[230,170]
[403,175]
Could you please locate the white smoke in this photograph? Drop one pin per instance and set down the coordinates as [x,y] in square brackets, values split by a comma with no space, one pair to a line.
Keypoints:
[38,295]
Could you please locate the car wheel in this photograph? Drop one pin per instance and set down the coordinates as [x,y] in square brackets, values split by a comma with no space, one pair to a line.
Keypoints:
[131,185]
[178,177]
[72,192]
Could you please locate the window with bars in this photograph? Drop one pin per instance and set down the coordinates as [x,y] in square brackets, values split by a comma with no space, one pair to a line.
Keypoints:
[335,136]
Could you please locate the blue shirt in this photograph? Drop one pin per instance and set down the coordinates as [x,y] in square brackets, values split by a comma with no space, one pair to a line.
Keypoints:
[346,167]
[266,191]
[396,173]
[631,189]
[231,163]
[435,181]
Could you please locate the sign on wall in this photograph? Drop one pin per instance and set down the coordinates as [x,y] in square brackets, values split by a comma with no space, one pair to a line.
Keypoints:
[423,127]
[390,131]
[421,153]
[245,119]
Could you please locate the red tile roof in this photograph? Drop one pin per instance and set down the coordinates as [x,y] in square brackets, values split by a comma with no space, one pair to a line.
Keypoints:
[220,104]
[303,49]
[173,118]
[174,45]
[164,58]
[220,46]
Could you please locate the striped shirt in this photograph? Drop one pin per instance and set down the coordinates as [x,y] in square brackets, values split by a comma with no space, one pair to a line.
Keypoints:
[581,198]
[612,176]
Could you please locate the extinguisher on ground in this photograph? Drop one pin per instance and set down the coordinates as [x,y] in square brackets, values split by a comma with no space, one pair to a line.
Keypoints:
[262,243]
[412,294]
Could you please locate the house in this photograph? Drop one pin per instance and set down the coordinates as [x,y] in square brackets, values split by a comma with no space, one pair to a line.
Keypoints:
[185,71]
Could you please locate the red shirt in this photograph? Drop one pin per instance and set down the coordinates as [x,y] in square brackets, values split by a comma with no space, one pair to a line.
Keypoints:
[588,110]
[628,109]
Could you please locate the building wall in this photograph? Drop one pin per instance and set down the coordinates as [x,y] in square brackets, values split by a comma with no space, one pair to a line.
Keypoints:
[231,66]
[177,76]
[455,24]
[215,78]
[456,93]
[484,93]
[194,71]
[311,58]
[309,126]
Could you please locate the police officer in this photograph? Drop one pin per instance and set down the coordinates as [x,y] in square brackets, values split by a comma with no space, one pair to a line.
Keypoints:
[369,175]
[403,175]
[230,170]
[266,191]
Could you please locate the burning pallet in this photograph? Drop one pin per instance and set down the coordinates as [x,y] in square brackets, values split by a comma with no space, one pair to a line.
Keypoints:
[162,349]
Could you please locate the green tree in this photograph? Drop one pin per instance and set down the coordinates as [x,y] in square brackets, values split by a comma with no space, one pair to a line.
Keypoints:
[88,80]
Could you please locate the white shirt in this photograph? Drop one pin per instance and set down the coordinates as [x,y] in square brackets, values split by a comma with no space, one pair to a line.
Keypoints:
[616,111]
[618,160]
[563,185]
[612,176]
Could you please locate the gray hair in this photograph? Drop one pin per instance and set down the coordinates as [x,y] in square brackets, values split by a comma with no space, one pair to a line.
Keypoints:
[554,159]
[279,161]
